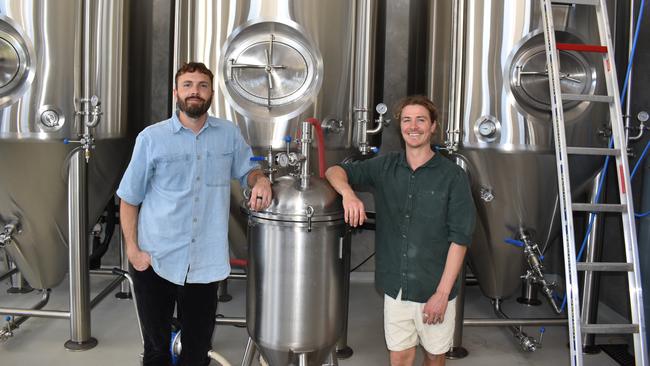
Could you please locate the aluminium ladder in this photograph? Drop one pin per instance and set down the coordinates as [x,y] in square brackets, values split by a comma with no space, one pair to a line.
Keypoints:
[567,206]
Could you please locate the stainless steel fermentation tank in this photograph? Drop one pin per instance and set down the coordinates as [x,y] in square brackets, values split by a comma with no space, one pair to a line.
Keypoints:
[277,63]
[47,78]
[489,77]
[298,252]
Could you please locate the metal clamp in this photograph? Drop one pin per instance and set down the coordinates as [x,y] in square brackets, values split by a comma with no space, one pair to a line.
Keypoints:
[6,236]
[310,214]
[333,126]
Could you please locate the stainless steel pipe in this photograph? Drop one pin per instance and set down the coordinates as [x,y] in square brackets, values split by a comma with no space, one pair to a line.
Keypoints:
[477,322]
[39,313]
[9,273]
[80,338]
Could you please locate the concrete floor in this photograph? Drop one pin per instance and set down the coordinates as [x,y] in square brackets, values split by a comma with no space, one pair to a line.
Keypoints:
[39,341]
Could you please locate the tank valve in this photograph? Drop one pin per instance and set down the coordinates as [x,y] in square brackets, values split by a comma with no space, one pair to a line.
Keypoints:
[270,167]
[87,142]
[7,331]
[528,344]
[6,236]
[535,273]
[486,194]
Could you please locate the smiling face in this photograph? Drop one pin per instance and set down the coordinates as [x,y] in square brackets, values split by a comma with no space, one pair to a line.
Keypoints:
[193,93]
[416,126]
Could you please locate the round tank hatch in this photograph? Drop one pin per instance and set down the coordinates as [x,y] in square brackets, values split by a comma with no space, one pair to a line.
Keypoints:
[9,63]
[529,75]
[15,71]
[271,70]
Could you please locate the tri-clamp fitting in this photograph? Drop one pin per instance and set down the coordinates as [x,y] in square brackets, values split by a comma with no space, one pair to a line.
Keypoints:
[6,236]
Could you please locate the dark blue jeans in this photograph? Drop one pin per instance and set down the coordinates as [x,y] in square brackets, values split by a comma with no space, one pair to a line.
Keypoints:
[196,309]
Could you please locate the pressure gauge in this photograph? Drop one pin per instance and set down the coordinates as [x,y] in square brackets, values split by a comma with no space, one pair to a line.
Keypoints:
[283,160]
[487,128]
[381,108]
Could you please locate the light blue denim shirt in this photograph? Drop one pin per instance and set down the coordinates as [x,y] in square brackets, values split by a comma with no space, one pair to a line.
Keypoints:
[182,183]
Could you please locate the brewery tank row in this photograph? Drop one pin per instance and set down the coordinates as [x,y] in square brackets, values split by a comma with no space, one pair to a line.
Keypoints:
[279,62]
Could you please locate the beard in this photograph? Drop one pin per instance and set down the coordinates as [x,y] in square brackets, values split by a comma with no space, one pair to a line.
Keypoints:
[194,110]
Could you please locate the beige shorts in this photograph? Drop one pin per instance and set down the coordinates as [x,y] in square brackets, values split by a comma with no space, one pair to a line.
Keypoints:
[404,329]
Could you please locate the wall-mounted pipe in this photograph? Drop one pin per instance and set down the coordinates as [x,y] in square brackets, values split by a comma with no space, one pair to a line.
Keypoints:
[364,69]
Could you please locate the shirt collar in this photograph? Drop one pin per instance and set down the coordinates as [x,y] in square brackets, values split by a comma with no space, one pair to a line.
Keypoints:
[435,160]
[177,125]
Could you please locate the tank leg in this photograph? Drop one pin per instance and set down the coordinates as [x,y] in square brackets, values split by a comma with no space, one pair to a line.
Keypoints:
[222,291]
[79,276]
[125,287]
[343,351]
[18,283]
[332,360]
[457,351]
[302,359]
[249,353]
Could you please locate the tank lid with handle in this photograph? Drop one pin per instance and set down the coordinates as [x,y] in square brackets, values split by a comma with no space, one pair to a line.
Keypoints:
[319,201]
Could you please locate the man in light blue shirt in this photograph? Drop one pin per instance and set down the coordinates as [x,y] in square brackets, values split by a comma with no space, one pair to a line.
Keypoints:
[174,213]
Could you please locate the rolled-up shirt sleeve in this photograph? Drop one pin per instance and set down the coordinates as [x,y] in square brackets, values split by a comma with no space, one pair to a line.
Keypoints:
[461,214]
[242,164]
[136,178]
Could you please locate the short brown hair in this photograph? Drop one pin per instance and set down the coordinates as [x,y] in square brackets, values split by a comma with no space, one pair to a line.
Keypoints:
[193,67]
[417,100]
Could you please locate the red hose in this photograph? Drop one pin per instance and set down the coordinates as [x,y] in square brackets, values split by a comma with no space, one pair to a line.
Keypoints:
[235,262]
[321,146]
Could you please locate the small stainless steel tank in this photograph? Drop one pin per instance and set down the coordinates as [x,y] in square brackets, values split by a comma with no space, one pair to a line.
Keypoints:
[297,272]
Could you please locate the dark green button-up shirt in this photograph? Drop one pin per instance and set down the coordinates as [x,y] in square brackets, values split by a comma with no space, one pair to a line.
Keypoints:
[419,214]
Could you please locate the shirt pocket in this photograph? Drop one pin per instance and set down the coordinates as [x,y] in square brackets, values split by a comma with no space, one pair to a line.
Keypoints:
[432,204]
[173,172]
[217,169]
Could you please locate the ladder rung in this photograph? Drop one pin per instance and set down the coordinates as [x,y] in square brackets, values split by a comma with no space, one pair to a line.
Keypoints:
[576,2]
[610,328]
[605,267]
[601,207]
[581,47]
[591,151]
[588,98]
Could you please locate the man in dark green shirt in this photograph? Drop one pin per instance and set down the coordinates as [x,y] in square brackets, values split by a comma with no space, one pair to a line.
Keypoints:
[425,221]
